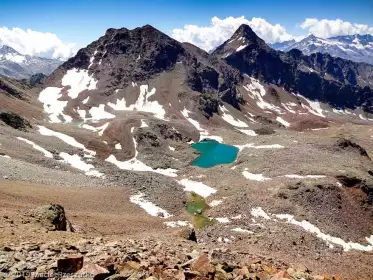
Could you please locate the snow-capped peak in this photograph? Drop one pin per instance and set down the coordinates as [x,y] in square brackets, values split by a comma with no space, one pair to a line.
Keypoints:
[19,66]
[352,47]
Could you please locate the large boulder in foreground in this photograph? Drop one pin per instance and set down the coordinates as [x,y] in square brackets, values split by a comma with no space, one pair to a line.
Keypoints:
[52,216]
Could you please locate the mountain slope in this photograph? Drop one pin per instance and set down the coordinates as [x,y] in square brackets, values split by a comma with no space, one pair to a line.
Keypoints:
[18,66]
[122,58]
[357,48]
[340,83]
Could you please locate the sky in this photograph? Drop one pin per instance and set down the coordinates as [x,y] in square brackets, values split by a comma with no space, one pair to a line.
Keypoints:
[59,28]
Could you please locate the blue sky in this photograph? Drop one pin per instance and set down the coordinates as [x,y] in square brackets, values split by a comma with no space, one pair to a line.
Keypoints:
[82,21]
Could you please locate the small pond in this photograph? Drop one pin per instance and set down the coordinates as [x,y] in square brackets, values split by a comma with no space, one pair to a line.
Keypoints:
[214,153]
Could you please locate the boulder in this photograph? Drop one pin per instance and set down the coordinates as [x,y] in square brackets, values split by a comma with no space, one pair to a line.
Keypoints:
[202,265]
[265,130]
[52,216]
[188,233]
[70,264]
[93,271]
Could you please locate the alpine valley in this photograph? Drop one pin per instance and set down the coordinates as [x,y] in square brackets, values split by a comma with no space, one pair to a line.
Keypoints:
[108,136]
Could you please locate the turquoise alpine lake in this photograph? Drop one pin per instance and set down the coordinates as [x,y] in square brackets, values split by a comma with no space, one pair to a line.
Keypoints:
[214,153]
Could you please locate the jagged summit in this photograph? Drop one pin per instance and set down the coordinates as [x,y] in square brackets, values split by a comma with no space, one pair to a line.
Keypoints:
[311,37]
[248,34]
[16,65]
[243,38]
[8,50]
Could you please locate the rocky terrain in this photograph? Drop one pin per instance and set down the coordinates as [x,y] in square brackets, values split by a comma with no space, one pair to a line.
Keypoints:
[107,137]
[126,258]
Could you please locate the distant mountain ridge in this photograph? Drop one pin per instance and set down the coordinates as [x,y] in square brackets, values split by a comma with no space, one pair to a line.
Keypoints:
[16,65]
[338,82]
[357,47]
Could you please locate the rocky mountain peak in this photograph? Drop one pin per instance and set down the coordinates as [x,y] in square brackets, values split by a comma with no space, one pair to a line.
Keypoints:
[127,55]
[311,37]
[248,36]
[243,39]
[8,50]
[246,31]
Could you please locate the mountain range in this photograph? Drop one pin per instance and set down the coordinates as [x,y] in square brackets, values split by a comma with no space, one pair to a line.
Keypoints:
[357,47]
[112,134]
[19,66]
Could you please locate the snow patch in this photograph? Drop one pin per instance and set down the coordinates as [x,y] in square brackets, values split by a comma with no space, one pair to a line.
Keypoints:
[258,212]
[307,226]
[240,230]
[77,162]
[248,132]
[251,145]
[295,176]
[203,133]
[231,120]
[52,106]
[85,101]
[257,92]
[78,80]
[171,148]
[135,165]
[288,108]
[65,138]
[36,147]
[99,113]
[241,48]
[224,220]
[197,187]
[143,124]
[177,224]
[142,104]
[118,146]
[282,121]
[149,207]
[215,203]
[314,107]
[254,177]
[101,129]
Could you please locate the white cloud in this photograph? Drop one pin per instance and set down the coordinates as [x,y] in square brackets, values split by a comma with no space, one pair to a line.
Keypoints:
[36,43]
[325,28]
[210,37]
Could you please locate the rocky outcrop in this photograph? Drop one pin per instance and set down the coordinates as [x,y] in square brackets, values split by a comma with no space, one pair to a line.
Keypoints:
[168,132]
[348,145]
[265,130]
[13,88]
[37,79]
[364,184]
[52,217]
[15,121]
